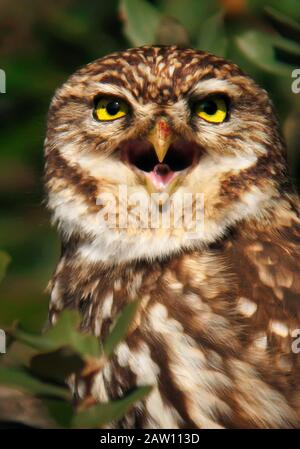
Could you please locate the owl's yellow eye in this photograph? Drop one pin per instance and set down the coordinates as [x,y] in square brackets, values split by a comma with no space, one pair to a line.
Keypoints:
[212,109]
[110,108]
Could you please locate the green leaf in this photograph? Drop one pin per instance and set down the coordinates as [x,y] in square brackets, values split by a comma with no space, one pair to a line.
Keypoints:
[287,46]
[34,71]
[287,51]
[258,47]
[64,338]
[119,330]
[4,261]
[283,24]
[191,13]
[212,35]
[256,7]
[64,333]
[102,414]
[19,378]
[141,21]
[171,32]
[57,365]
[60,411]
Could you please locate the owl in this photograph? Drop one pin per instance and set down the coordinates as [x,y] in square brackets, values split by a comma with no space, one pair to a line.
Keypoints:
[218,280]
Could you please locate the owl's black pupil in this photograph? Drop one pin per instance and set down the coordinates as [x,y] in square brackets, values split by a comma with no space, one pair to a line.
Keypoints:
[209,107]
[113,107]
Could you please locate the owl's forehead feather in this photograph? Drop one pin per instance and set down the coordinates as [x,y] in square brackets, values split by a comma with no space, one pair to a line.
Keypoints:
[158,73]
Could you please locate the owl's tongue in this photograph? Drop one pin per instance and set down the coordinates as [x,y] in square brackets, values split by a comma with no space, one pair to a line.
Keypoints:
[161,175]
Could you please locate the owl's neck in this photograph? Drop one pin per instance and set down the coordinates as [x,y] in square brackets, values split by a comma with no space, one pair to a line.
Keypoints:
[85,280]
[107,248]
[110,247]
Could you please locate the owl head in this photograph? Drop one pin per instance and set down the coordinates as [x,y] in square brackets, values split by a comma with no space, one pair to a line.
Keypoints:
[156,130]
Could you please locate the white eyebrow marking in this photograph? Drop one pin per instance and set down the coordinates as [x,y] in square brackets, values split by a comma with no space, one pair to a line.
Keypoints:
[213,85]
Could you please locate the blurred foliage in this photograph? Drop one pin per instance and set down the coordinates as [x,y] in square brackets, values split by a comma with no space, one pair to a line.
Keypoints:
[39,365]
[42,42]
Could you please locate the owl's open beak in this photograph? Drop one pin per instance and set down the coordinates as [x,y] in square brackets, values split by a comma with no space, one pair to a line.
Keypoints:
[161,137]
[161,157]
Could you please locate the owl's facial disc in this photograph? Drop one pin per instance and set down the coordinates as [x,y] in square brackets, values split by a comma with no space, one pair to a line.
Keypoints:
[159,172]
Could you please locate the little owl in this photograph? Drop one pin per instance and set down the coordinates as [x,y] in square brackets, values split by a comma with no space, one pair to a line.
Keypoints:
[219,306]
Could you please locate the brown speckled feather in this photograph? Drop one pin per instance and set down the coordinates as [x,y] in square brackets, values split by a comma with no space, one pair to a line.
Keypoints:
[214,330]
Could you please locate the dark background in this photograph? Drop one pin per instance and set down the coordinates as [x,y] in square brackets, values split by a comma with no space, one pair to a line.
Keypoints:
[43,42]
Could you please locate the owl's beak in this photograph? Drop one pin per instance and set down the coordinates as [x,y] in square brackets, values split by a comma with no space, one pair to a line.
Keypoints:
[161,157]
[161,137]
